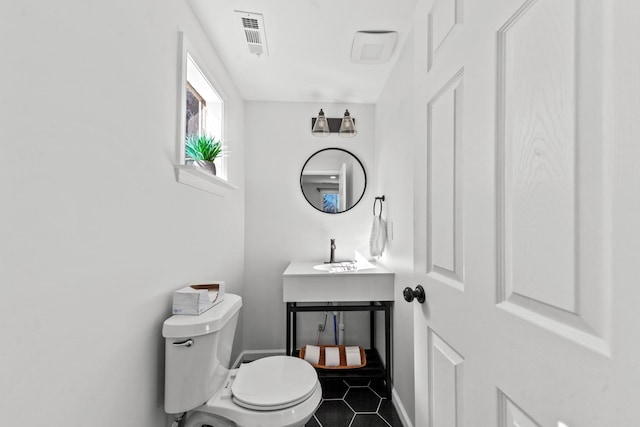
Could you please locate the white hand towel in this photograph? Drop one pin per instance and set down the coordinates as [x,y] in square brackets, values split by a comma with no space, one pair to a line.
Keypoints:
[331,356]
[312,354]
[378,239]
[353,356]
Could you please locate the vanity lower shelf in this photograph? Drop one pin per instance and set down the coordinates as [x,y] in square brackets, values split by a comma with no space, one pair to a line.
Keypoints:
[374,369]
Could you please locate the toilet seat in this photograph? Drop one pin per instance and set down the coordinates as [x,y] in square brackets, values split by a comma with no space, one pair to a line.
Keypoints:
[273,383]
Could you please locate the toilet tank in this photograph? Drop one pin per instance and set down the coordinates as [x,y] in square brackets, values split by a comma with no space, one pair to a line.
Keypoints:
[198,354]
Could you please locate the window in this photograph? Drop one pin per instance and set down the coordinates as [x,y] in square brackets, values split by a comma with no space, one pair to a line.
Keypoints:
[330,202]
[203,109]
[196,111]
[201,106]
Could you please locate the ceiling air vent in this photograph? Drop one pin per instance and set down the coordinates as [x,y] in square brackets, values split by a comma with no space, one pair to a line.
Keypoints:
[253,32]
[373,47]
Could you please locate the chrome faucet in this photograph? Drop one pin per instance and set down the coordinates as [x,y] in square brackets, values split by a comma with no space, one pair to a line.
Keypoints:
[332,257]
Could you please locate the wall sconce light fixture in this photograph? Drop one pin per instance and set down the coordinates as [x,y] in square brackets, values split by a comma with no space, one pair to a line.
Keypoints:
[324,126]
[320,125]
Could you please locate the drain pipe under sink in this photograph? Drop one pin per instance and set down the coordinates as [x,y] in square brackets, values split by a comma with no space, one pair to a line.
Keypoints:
[338,325]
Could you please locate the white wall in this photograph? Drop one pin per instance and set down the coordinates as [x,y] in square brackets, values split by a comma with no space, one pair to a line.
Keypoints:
[95,233]
[394,178]
[280,224]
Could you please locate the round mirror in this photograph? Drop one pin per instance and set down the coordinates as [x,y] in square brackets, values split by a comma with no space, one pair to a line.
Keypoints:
[333,180]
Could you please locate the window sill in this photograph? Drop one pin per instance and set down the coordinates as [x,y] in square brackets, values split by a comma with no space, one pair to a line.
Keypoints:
[202,180]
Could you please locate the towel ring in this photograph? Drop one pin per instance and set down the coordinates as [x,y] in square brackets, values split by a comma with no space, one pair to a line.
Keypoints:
[375,202]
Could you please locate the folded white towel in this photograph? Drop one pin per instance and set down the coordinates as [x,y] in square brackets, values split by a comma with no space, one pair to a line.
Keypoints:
[312,354]
[353,356]
[378,239]
[331,356]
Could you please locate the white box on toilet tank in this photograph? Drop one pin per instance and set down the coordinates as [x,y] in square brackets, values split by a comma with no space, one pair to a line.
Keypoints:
[198,298]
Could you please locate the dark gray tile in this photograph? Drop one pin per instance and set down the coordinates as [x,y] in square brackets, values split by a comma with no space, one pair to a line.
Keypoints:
[379,387]
[362,399]
[358,382]
[368,420]
[334,413]
[333,388]
[312,423]
[389,413]
[354,403]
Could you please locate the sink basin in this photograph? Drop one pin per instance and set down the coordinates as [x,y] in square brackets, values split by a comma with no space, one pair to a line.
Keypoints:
[336,267]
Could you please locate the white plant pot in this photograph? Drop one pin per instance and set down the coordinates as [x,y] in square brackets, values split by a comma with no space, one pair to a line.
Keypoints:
[208,166]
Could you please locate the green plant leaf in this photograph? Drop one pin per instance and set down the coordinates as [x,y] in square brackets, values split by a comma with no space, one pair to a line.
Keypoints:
[203,147]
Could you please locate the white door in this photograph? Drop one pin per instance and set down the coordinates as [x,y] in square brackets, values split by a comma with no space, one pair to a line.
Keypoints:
[527,213]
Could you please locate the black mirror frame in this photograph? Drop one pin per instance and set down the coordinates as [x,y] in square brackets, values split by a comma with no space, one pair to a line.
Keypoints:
[364,172]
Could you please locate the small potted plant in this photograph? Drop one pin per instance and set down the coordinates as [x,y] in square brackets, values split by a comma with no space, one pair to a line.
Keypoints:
[203,149]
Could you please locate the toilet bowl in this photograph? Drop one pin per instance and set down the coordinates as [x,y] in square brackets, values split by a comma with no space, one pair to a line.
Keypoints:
[275,391]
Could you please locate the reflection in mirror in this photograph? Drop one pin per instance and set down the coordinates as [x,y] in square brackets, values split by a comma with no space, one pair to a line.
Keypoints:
[333,180]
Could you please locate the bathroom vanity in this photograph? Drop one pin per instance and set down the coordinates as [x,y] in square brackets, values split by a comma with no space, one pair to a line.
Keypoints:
[309,289]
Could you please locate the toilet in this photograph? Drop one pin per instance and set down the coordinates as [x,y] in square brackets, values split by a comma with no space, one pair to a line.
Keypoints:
[275,391]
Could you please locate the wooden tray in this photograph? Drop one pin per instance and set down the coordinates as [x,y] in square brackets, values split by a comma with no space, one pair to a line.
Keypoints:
[343,358]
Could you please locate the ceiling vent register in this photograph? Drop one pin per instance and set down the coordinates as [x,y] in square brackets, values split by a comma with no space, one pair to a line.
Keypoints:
[373,47]
[253,30]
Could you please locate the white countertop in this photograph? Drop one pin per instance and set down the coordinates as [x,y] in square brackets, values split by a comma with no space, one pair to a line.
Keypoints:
[302,283]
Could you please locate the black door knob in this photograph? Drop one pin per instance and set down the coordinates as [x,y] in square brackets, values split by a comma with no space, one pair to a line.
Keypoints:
[410,294]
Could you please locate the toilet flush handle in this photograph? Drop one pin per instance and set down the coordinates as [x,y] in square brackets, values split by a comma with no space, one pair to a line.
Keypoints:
[187,343]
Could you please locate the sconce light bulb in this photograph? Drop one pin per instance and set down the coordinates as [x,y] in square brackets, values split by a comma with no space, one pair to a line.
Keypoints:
[321,126]
[347,127]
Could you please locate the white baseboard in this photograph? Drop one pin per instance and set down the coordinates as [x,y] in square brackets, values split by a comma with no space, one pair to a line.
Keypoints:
[402,413]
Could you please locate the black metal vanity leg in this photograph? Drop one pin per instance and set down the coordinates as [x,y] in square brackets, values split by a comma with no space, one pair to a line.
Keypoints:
[295,327]
[372,328]
[288,348]
[387,346]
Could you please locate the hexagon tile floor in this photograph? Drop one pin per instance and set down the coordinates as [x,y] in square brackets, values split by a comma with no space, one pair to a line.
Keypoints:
[354,403]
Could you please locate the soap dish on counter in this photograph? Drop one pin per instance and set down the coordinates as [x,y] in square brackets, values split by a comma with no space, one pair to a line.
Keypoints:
[342,350]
